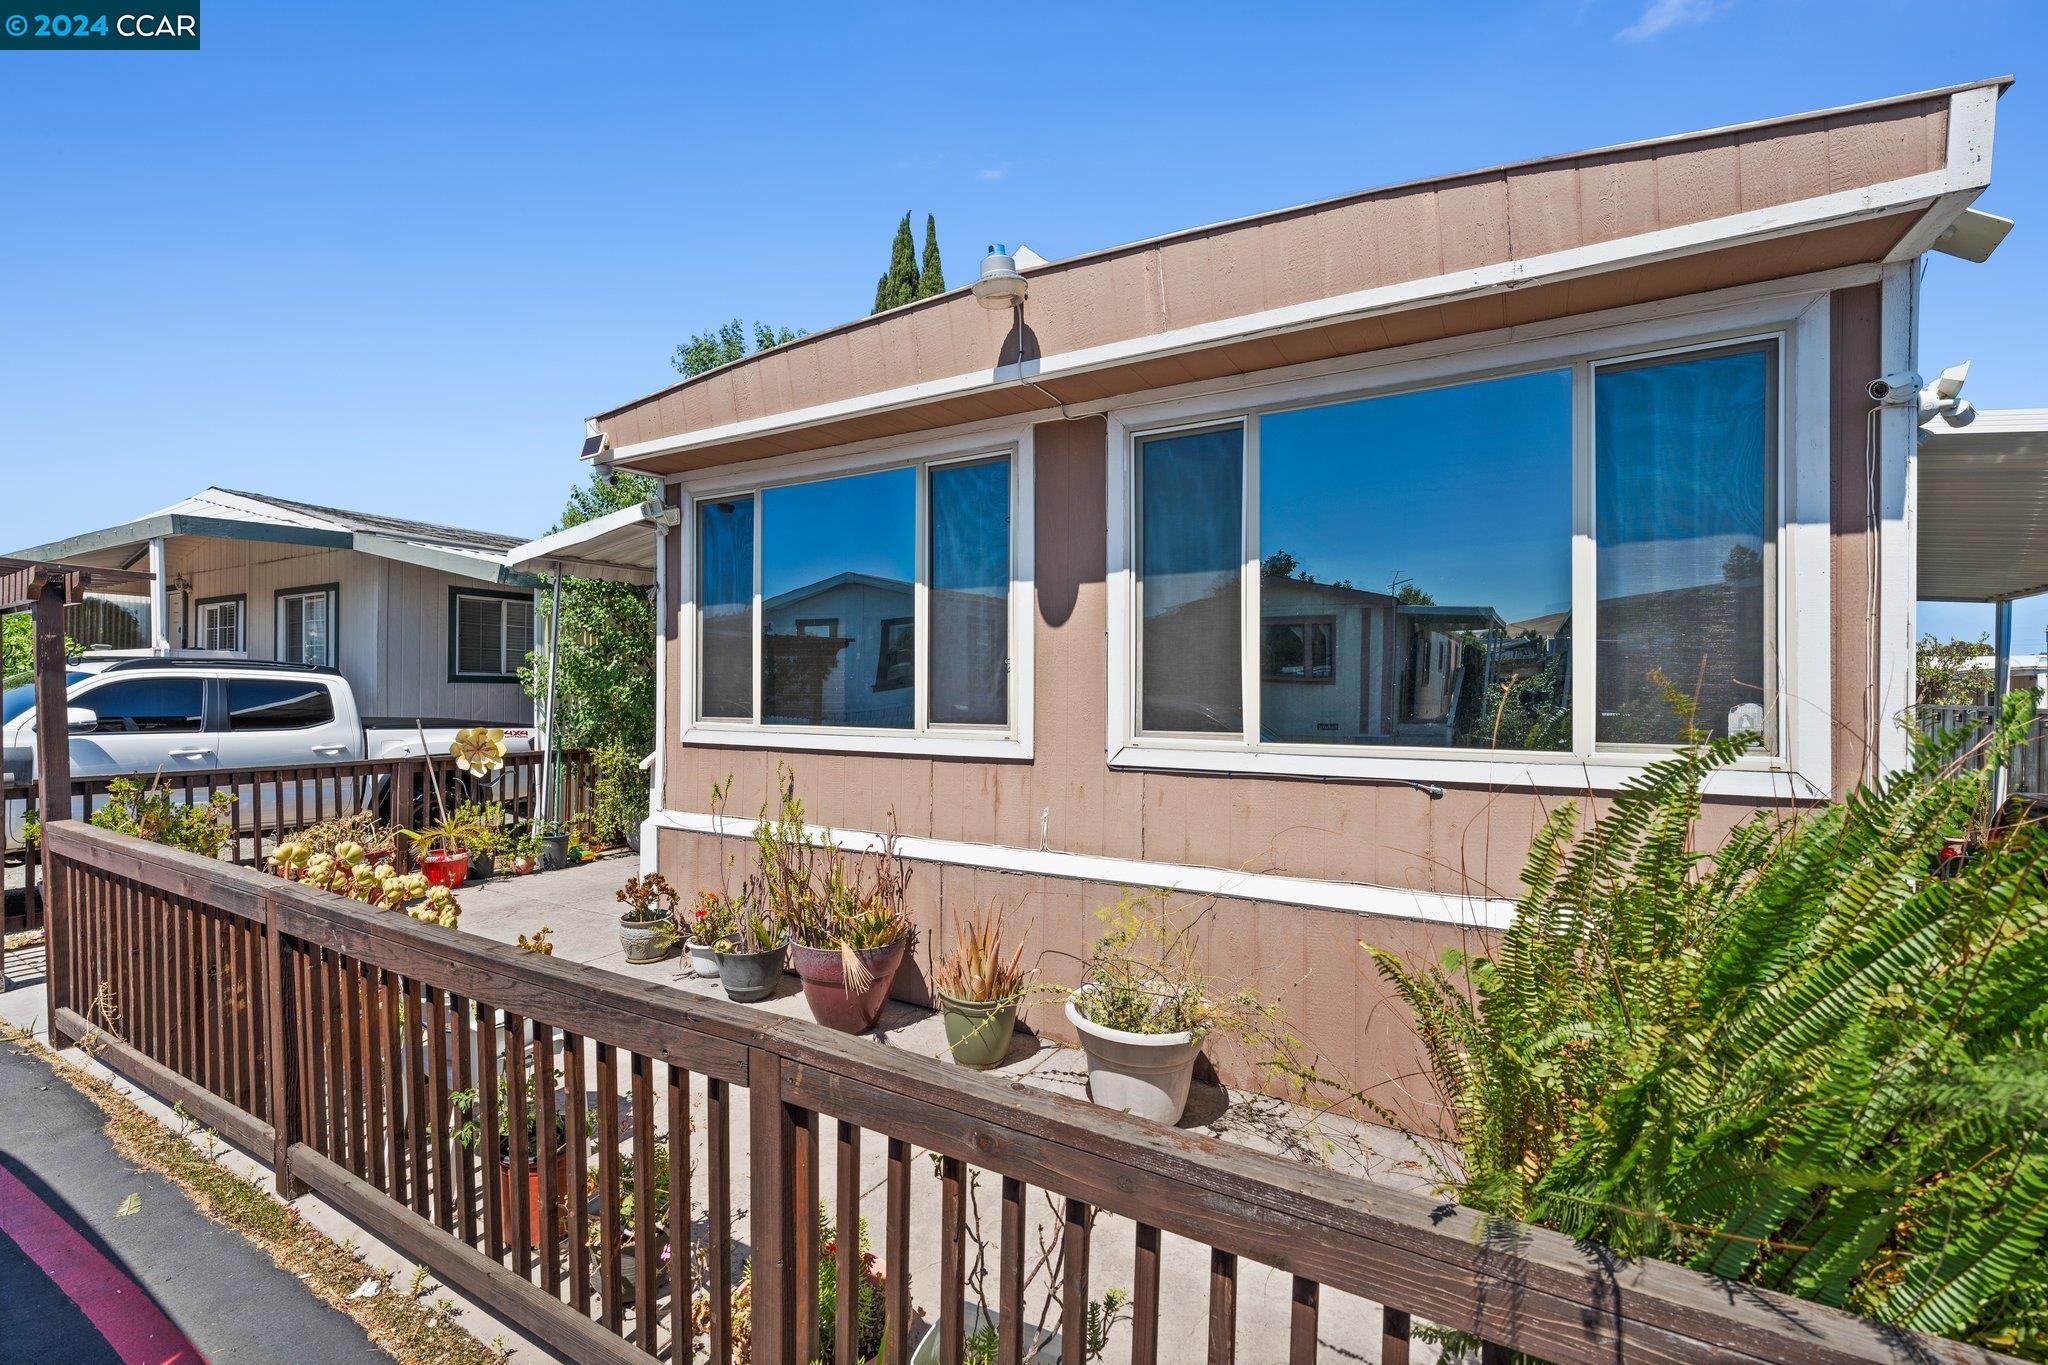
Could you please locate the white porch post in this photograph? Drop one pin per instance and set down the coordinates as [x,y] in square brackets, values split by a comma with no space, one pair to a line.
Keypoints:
[159,600]
[2001,684]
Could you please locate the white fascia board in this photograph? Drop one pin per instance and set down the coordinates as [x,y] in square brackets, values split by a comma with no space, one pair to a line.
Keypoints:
[1180,878]
[564,546]
[1965,175]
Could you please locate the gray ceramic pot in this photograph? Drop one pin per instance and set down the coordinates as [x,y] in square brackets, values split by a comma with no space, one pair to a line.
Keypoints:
[751,976]
[645,940]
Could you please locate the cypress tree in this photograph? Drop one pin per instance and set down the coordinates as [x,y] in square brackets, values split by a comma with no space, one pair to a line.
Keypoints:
[932,279]
[898,284]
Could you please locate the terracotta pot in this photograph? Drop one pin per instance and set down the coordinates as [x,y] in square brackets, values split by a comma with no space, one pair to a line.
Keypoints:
[825,989]
[446,867]
[533,1204]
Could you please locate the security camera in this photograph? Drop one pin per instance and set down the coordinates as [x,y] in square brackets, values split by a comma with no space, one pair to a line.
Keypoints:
[1895,388]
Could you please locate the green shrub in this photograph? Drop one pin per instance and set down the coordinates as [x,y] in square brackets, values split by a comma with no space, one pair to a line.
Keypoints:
[199,827]
[1815,1058]
[618,791]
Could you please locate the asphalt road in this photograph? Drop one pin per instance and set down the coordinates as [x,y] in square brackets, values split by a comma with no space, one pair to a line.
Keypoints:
[81,1283]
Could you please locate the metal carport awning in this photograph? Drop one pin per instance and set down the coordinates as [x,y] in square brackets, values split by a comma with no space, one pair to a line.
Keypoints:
[1983,510]
[620,546]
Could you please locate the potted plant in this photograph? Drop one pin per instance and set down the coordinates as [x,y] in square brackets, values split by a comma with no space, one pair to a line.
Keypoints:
[553,845]
[469,1130]
[1144,1006]
[848,928]
[978,990]
[487,840]
[525,847]
[648,928]
[751,955]
[870,1300]
[713,919]
[629,1239]
[441,851]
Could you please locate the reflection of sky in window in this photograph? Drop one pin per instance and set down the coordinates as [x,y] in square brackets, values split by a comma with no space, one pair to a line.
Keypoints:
[970,518]
[1192,543]
[863,524]
[1463,492]
[1680,452]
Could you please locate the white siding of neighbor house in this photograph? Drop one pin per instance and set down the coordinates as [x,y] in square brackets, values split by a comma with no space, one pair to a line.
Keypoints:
[415,636]
[391,622]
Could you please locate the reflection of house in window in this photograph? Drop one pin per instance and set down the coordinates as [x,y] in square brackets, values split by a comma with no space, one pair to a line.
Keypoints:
[897,666]
[826,655]
[1298,650]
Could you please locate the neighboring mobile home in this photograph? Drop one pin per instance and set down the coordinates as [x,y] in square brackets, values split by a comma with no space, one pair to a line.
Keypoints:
[425,621]
[1305,561]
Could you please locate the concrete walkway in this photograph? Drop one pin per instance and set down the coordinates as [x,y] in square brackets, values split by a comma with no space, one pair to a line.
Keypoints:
[82,1281]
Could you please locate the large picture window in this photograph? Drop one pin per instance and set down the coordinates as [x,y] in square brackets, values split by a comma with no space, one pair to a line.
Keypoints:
[872,602]
[1410,570]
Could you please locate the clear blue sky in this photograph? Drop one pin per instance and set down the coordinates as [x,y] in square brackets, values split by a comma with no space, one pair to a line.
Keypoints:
[390,256]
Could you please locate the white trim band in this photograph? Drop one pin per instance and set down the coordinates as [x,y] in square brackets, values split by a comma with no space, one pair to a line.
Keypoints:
[1391,902]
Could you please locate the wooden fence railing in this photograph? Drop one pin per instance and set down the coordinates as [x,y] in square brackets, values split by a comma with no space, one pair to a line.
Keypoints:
[351,1048]
[273,802]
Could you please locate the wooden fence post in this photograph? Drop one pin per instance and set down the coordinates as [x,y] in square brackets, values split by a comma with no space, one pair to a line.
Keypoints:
[281,1005]
[53,780]
[771,1139]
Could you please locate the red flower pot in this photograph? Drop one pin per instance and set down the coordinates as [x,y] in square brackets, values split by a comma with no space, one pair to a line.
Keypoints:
[446,868]
[832,1003]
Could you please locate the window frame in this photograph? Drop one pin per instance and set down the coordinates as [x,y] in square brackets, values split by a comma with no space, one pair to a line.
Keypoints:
[332,591]
[240,602]
[455,593]
[753,479]
[1798,322]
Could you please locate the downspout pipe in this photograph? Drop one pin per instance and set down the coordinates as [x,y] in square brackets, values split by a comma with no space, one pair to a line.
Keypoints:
[550,779]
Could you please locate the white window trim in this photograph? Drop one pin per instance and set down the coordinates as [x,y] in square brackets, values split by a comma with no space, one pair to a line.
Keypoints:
[240,605]
[506,606]
[333,596]
[1802,769]
[1013,742]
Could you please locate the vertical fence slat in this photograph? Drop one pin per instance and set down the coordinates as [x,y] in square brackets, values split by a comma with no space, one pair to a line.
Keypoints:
[645,1318]
[1394,1328]
[1010,1277]
[375,1064]
[487,1132]
[436,1020]
[579,1172]
[804,1194]
[463,1011]
[897,1232]
[354,1061]
[952,1262]
[1222,1307]
[609,1284]
[1301,1322]
[391,992]
[682,1340]
[521,1223]
[546,1149]
[846,1251]
[417,1099]
[771,1212]
[718,1212]
[1074,1283]
[1145,1297]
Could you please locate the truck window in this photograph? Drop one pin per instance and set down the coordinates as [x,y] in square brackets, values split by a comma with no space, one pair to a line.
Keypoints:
[277,704]
[146,706]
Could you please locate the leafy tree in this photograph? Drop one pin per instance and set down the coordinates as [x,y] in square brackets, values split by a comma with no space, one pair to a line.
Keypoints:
[898,284]
[931,278]
[1815,1059]
[1408,595]
[1952,672]
[18,647]
[725,344]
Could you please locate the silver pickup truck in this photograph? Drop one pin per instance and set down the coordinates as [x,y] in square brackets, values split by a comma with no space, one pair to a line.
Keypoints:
[194,716]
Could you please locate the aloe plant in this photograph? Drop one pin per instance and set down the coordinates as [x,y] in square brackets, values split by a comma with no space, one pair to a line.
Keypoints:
[1814,1057]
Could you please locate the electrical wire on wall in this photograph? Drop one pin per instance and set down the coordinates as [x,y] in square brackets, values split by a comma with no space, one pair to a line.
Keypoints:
[1873,552]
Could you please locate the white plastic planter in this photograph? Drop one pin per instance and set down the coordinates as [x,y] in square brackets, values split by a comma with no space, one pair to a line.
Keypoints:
[1146,1074]
[703,959]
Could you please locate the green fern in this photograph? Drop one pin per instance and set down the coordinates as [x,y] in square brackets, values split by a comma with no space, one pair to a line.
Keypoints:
[1799,1058]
